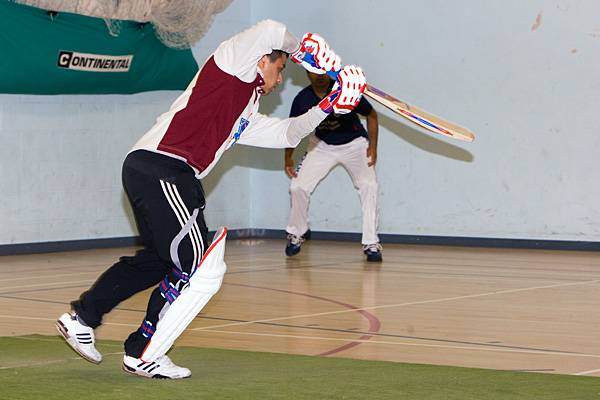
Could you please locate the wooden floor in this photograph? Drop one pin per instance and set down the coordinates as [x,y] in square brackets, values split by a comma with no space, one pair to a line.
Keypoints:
[491,308]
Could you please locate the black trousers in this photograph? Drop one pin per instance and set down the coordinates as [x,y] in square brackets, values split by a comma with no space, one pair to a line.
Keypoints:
[167,202]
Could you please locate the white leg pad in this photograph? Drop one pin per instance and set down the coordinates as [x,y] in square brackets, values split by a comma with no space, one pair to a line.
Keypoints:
[204,282]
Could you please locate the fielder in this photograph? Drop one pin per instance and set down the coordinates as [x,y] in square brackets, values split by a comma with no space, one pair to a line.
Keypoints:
[339,139]
[161,177]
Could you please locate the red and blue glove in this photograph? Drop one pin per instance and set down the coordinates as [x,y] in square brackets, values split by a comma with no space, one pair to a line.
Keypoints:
[315,55]
[346,92]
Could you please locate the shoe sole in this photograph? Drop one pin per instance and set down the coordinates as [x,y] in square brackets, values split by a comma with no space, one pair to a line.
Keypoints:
[133,371]
[64,332]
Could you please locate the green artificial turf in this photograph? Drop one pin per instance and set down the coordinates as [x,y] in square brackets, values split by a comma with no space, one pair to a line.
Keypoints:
[39,367]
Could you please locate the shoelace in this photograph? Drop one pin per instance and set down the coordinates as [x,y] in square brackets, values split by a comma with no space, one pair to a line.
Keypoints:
[295,240]
[375,247]
[165,361]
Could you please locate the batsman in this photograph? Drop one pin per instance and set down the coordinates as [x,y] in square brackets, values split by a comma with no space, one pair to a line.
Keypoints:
[162,179]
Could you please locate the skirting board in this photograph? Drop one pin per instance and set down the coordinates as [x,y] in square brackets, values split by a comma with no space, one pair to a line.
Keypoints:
[252,233]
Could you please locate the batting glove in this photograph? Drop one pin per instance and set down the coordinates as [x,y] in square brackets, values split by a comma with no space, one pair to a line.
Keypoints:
[315,55]
[346,92]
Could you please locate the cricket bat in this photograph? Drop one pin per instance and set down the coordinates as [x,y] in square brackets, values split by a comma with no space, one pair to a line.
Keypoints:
[420,117]
[412,113]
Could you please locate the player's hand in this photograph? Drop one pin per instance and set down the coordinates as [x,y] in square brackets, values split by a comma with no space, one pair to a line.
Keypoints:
[346,92]
[315,55]
[371,155]
[290,168]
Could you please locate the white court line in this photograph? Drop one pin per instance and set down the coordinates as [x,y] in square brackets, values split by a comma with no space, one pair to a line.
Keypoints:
[441,346]
[37,277]
[212,328]
[587,372]
[469,296]
[373,341]
[11,288]
[28,318]
[54,320]
[329,339]
[441,274]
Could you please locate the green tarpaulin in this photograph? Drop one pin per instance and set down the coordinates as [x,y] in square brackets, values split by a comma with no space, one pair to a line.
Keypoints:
[49,53]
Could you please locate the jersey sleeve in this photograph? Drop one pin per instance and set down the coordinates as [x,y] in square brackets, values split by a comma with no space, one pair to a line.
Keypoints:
[280,133]
[266,131]
[239,55]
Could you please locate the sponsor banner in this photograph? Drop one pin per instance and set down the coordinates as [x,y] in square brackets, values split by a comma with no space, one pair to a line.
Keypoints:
[63,53]
[93,62]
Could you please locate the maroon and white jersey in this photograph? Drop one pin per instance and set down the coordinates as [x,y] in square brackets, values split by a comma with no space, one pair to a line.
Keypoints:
[220,105]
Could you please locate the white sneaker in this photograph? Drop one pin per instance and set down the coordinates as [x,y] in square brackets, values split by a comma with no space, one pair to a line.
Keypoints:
[79,336]
[162,368]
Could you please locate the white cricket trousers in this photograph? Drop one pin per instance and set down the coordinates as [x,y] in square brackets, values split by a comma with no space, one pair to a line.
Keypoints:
[319,160]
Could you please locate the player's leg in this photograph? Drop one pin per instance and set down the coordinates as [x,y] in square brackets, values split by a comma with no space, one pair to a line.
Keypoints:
[77,327]
[364,178]
[126,277]
[316,164]
[181,239]
[174,211]
[141,178]
[183,304]
[203,284]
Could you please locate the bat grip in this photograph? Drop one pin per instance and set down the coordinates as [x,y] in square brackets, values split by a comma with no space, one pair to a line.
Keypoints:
[311,60]
[333,74]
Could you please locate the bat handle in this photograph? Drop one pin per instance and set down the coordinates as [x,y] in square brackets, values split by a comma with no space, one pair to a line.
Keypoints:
[333,74]
[311,60]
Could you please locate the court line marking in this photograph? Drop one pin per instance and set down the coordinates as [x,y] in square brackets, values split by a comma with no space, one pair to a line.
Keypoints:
[54,320]
[385,342]
[508,291]
[439,274]
[44,284]
[47,276]
[412,303]
[212,328]
[592,371]
[279,325]
[321,268]
[374,341]
[320,338]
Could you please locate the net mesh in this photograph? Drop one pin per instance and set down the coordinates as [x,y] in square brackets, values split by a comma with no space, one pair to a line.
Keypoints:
[177,23]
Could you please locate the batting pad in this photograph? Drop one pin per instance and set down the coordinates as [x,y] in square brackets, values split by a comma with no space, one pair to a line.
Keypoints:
[204,282]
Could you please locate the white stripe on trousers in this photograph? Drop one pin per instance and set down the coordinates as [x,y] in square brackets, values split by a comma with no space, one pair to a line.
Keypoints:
[183,214]
[195,232]
[178,209]
[195,229]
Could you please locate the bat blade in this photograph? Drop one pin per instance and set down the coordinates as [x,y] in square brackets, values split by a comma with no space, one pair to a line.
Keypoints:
[420,117]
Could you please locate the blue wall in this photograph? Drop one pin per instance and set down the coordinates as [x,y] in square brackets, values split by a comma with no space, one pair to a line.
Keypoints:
[522,75]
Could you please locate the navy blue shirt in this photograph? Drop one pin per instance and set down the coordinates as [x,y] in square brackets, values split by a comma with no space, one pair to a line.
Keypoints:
[336,129]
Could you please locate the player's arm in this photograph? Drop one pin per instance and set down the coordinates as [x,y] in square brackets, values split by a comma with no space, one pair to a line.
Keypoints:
[290,165]
[299,106]
[373,132]
[280,133]
[239,55]
[274,132]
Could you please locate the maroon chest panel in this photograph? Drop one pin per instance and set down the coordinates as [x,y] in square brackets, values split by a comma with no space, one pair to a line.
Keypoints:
[200,129]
